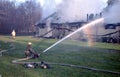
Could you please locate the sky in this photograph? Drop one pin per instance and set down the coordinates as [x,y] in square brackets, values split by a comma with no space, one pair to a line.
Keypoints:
[50,6]
[65,6]
[77,10]
[42,2]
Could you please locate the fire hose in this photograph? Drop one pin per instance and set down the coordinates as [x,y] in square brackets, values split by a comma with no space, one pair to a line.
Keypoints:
[64,64]
[18,61]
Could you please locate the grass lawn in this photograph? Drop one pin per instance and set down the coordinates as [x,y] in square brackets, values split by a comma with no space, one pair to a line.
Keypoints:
[101,55]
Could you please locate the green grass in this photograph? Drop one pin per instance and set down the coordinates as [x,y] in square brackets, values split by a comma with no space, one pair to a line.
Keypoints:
[101,55]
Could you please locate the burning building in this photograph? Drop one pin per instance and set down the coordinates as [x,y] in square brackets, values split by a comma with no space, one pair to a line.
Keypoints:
[52,27]
[107,31]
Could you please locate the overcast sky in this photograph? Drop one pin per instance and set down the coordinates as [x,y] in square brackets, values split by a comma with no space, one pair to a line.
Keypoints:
[49,6]
[42,2]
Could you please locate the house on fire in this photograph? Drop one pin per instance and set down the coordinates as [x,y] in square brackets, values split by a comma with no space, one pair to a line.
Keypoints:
[51,27]
[56,30]
[106,32]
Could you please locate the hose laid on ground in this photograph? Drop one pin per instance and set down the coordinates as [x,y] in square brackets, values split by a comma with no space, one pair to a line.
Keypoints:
[84,67]
[63,64]
[17,61]
[1,52]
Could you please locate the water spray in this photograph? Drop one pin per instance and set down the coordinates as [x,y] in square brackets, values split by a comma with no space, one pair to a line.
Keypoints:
[79,29]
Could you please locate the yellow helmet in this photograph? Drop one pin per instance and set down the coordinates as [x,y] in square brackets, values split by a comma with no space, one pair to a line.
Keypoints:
[29,43]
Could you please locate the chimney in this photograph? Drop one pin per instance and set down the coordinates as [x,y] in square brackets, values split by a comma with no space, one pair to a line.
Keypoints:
[100,15]
[87,17]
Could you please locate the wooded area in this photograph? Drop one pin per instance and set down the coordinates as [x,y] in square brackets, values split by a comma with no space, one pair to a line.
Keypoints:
[20,17]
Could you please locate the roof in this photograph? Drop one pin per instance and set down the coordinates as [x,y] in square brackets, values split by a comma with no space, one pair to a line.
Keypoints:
[60,24]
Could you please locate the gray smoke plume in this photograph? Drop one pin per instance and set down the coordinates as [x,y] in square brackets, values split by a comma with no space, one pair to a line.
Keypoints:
[77,10]
[112,14]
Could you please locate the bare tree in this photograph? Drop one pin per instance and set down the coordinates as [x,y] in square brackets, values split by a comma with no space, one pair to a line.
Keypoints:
[30,13]
[21,18]
[6,8]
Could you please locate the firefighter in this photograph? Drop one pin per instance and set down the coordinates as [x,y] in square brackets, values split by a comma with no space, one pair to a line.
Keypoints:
[30,52]
[13,34]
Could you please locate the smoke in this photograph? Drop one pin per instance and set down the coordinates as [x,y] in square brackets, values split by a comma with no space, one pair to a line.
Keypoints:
[48,7]
[77,10]
[112,15]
